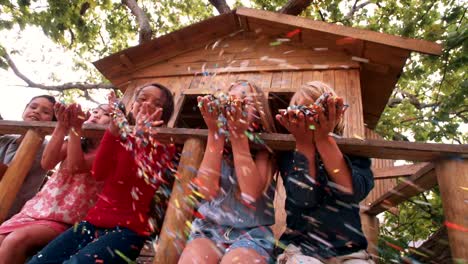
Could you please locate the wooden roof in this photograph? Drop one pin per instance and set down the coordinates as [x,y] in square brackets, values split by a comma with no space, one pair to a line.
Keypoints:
[381,56]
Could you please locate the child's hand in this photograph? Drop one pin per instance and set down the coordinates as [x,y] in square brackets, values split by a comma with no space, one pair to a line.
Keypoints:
[113,127]
[62,113]
[209,111]
[238,117]
[299,125]
[327,123]
[148,116]
[77,117]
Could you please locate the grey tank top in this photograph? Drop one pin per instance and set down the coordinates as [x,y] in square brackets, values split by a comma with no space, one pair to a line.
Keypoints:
[227,209]
[34,178]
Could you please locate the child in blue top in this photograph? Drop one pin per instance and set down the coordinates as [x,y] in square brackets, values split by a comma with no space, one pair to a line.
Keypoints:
[236,212]
[323,186]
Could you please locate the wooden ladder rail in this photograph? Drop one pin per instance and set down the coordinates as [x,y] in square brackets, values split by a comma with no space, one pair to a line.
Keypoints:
[18,169]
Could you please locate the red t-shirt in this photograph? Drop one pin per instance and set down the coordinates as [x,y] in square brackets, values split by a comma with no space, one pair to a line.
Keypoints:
[125,198]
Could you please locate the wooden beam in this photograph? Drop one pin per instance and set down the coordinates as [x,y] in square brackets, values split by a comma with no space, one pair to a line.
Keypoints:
[452,176]
[421,181]
[397,171]
[373,148]
[179,211]
[367,35]
[17,170]
[370,228]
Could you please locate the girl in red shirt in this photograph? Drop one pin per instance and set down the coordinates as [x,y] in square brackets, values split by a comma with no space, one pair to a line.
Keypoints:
[116,228]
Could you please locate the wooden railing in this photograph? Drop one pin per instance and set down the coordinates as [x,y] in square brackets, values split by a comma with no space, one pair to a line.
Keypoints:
[448,168]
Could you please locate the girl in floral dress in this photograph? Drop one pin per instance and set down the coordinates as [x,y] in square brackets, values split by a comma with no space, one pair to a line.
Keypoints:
[67,195]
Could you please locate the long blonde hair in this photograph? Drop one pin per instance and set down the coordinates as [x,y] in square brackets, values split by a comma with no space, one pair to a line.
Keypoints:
[261,103]
[309,93]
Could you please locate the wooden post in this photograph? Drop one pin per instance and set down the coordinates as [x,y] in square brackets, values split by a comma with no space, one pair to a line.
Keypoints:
[175,228]
[370,227]
[452,177]
[17,170]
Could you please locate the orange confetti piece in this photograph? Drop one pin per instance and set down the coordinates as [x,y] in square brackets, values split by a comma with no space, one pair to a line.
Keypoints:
[455,226]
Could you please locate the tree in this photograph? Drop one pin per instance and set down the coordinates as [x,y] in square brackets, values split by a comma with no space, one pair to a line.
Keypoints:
[429,104]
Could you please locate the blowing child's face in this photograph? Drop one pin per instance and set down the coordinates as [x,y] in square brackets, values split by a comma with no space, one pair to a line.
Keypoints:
[100,115]
[39,109]
[151,95]
[242,91]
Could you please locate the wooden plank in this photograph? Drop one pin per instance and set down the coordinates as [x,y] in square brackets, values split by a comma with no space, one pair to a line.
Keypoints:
[286,80]
[180,209]
[452,176]
[328,77]
[168,46]
[421,181]
[373,148]
[355,115]
[276,80]
[397,171]
[253,65]
[296,81]
[334,29]
[17,170]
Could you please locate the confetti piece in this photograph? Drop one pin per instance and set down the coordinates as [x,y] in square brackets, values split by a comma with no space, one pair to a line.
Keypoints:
[455,226]
[122,255]
[464,188]
[275,43]
[358,137]
[293,33]
[320,49]
[283,39]
[346,41]
[312,127]
[336,170]
[364,60]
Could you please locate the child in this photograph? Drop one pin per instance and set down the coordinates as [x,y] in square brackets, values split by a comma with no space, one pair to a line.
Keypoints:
[236,211]
[115,229]
[40,108]
[323,186]
[67,195]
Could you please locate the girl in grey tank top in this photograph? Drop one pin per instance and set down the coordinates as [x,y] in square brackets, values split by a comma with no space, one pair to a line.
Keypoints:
[236,184]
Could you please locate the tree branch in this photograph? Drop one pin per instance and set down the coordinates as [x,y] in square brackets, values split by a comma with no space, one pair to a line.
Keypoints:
[355,8]
[145,33]
[413,99]
[295,7]
[221,6]
[60,88]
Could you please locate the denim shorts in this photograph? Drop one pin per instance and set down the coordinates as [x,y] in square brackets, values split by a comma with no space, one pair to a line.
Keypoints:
[226,238]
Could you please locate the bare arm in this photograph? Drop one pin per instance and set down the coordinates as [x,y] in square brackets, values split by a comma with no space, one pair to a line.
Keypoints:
[56,150]
[77,160]
[209,172]
[329,151]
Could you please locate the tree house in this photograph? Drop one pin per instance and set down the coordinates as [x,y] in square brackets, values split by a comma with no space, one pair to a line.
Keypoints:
[279,53]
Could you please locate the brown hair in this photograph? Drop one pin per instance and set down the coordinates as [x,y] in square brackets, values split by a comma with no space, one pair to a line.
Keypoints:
[48,98]
[168,106]
[261,103]
[310,92]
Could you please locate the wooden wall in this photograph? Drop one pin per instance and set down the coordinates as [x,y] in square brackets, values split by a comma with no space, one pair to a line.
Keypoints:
[277,70]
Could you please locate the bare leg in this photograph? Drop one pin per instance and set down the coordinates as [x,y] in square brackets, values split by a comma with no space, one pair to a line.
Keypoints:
[19,243]
[202,251]
[243,255]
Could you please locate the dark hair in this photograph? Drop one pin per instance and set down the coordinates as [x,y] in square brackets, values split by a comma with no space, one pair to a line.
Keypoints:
[49,98]
[168,106]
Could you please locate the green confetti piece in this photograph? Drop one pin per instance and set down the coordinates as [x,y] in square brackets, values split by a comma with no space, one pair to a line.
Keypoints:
[312,127]
[122,255]
[275,43]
